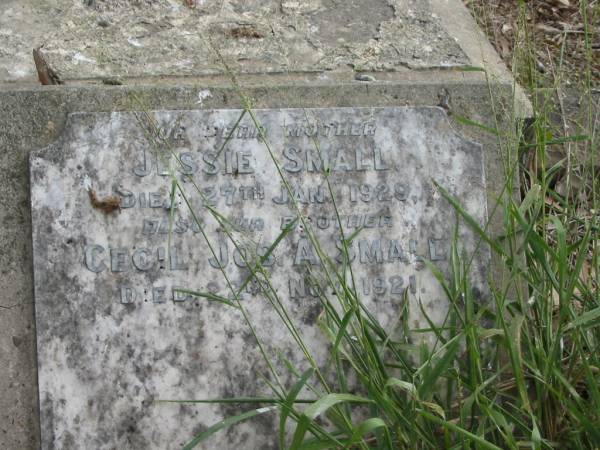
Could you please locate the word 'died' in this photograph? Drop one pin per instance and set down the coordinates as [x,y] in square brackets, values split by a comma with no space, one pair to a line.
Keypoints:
[155,294]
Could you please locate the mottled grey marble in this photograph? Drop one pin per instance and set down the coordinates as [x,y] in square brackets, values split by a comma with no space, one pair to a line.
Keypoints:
[114,336]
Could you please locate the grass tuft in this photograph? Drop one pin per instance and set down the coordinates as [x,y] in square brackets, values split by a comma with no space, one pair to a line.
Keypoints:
[520,372]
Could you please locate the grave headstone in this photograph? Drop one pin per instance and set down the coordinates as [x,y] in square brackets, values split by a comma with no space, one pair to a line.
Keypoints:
[174,55]
[136,213]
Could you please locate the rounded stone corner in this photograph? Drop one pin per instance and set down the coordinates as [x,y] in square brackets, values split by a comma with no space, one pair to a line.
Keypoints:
[452,125]
[51,151]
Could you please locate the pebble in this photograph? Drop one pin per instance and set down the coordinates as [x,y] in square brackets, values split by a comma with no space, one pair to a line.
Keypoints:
[363,77]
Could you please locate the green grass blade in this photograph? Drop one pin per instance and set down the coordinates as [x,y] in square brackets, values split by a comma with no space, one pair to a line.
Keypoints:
[330,400]
[482,443]
[226,423]
[426,388]
[585,320]
[342,330]
[301,429]
[208,295]
[364,428]
[316,409]
[353,236]
[230,135]
[576,138]
[238,400]
[470,220]
[404,385]
[289,402]
[472,123]
[289,227]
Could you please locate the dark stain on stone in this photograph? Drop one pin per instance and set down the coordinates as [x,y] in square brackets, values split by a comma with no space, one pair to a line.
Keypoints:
[311,312]
[128,428]
[246,31]
[68,440]
[47,421]
[108,205]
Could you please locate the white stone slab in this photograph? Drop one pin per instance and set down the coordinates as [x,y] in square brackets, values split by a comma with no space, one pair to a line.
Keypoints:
[113,334]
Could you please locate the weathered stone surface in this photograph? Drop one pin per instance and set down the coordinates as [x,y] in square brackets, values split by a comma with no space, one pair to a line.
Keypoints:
[86,40]
[32,118]
[113,336]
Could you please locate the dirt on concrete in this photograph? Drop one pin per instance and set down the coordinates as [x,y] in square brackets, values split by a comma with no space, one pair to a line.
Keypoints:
[94,39]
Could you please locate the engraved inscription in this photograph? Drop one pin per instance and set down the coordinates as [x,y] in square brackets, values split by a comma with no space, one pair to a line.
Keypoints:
[382,202]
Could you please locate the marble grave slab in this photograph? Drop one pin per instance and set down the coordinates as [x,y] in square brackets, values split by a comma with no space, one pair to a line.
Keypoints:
[117,248]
